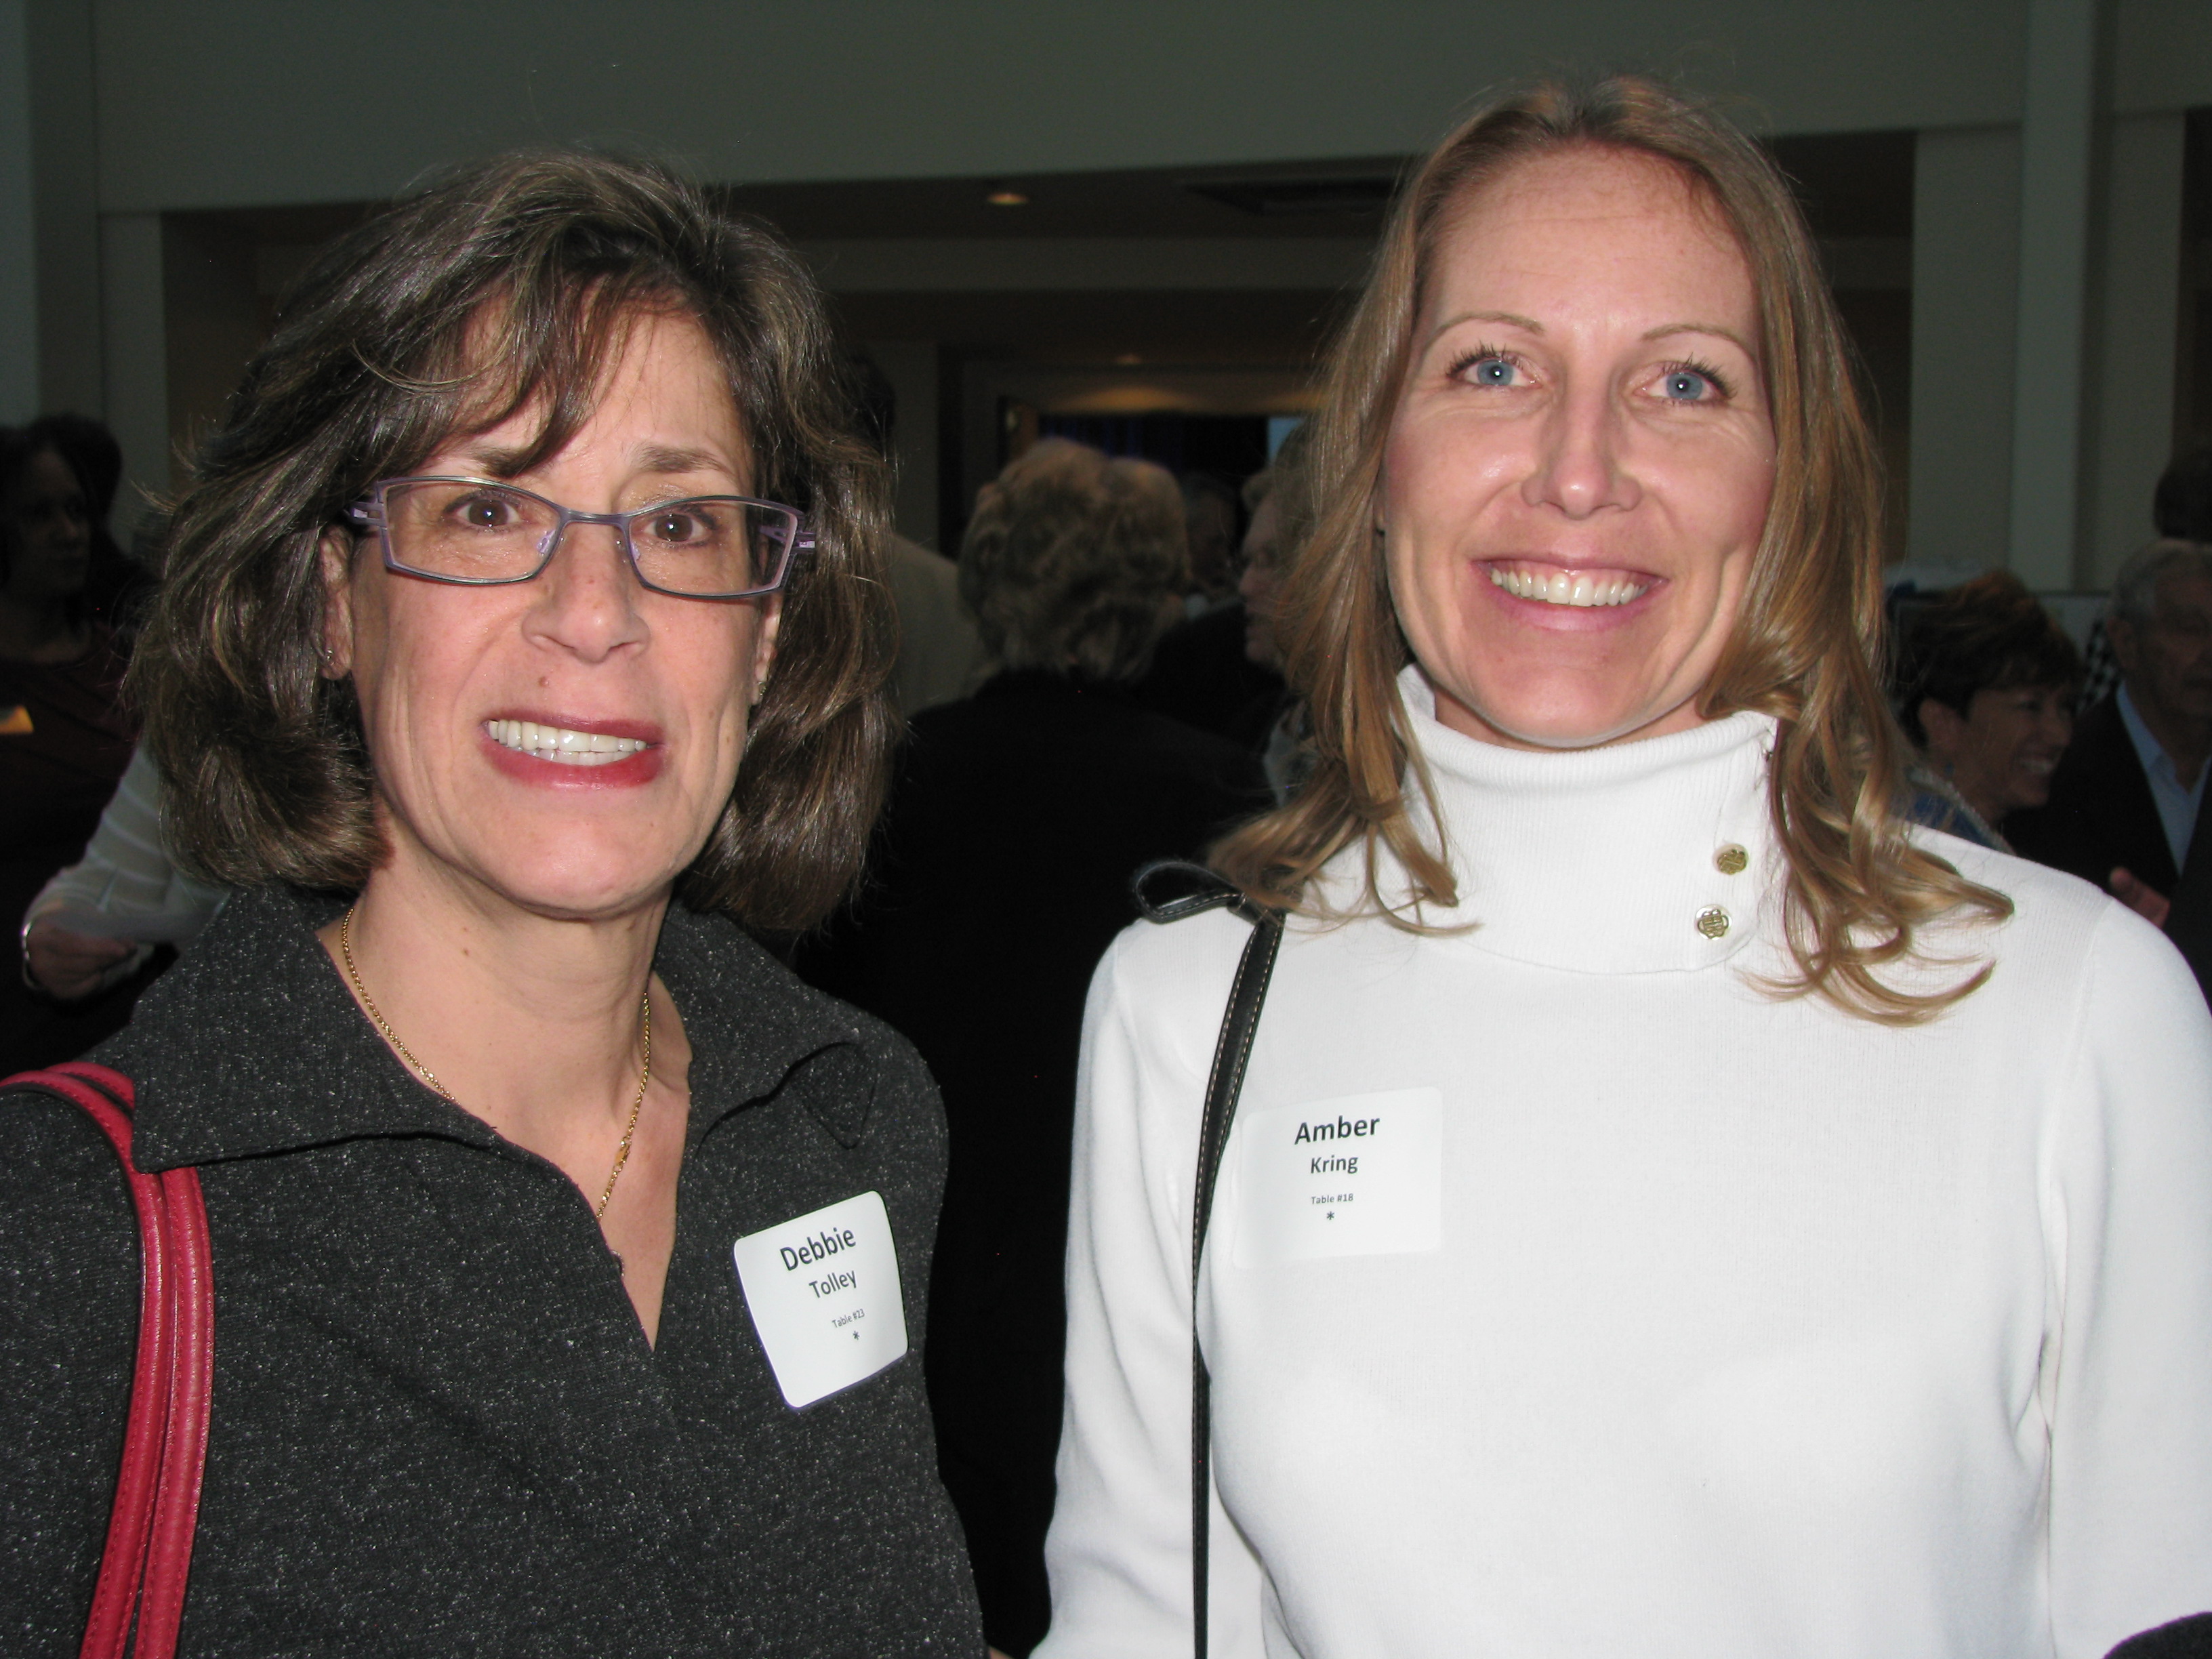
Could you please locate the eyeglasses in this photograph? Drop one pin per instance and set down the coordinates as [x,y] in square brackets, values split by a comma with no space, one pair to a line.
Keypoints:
[481,534]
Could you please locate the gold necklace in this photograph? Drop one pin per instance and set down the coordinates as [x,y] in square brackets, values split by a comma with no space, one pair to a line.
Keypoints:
[644,1076]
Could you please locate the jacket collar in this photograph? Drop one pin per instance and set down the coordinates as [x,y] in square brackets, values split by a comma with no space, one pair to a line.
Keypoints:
[252,1044]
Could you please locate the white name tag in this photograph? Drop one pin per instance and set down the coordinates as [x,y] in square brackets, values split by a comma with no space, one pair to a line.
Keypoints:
[1361,1175]
[824,1290]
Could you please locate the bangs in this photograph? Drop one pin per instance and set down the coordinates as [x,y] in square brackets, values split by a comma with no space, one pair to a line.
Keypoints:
[548,348]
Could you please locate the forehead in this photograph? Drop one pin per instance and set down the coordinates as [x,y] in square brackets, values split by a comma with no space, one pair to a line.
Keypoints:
[1622,223]
[45,473]
[655,369]
[2185,585]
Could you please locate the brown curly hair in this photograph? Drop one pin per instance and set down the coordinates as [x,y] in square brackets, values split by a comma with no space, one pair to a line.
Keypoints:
[499,289]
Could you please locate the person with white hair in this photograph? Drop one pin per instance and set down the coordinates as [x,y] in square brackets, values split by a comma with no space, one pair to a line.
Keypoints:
[2123,802]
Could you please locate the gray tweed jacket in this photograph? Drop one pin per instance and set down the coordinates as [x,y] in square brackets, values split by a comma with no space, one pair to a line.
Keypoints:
[437,1425]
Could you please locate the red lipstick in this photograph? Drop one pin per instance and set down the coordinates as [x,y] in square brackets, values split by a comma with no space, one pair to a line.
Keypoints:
[629,771]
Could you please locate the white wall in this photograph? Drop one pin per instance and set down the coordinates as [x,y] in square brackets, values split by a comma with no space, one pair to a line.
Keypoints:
[272,101]
[1965,271]
[19,296]
[2133,339]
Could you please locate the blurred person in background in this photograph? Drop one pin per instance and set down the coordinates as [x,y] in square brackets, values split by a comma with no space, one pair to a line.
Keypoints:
[1210,521]
[2124,804]
[1985,684]
[1281,516]
[1269,541]
[939,656]
[65,735]
[1204,674]
[1016,820]
[102,919]
[117,583]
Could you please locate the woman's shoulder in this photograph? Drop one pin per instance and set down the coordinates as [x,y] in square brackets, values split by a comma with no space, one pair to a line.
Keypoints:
[1173,961]
[2067,938]
[69,1329]
[2044,899]
[53,1146]
[67,1241]
[1167,983]
[710,961]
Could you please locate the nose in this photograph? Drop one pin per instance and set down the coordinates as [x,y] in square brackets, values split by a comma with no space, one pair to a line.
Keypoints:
[586,601]
[1577,467]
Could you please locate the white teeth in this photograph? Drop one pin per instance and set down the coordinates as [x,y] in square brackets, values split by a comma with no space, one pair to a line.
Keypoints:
[558,743]
[1561,588]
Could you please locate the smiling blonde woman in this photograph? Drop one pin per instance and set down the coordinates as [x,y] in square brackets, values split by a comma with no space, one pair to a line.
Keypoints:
[1675,1208]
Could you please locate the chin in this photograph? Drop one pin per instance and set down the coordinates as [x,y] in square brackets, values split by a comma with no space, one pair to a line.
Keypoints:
[581,880]
[593,900]
[1535,701]
[1565,723]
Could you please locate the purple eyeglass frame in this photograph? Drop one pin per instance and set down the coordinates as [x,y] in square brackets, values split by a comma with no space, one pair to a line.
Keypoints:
[368,513]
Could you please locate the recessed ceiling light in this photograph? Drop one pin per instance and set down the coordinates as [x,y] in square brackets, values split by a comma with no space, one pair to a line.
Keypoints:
[1007,198]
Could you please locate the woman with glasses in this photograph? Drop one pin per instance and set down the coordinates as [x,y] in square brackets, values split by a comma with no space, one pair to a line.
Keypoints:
[520,658]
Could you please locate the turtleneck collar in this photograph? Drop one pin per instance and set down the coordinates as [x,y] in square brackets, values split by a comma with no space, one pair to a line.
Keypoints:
[1637,858]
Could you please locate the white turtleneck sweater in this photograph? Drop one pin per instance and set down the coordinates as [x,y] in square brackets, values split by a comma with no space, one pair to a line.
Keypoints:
[1680,1320]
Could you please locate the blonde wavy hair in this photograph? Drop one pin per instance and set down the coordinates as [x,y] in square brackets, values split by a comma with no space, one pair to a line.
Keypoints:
[1806,649]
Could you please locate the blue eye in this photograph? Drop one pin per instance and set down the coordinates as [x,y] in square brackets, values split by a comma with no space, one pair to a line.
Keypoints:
[1686,386]
[1491,371]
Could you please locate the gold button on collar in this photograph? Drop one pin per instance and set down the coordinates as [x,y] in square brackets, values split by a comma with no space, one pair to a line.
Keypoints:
[1713,921]
[1731,861]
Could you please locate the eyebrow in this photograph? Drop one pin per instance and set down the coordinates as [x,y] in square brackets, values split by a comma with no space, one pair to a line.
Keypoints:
[1512,319]
[1713,329]
[1531,325]
[500,462]
[655,457]
[496,461]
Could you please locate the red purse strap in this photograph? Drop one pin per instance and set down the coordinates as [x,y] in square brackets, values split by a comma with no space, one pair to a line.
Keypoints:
[148,1554]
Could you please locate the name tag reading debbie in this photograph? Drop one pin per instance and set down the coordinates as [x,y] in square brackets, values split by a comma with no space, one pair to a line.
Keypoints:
[823,1291]
[1359,1176]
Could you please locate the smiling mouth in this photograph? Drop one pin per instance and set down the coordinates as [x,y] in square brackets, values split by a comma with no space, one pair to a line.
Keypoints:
[559,744]
[1552,586]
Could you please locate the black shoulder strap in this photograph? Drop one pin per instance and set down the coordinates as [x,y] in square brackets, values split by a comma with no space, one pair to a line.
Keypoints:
[1204,890]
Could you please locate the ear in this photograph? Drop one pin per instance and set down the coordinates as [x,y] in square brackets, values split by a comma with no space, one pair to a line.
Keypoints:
[1945,728]
[771,615]
[335,646]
